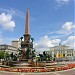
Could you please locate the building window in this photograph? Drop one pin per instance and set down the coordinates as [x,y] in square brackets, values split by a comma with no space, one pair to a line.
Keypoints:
[67,54]
[54,55]
[72,54]
[63,55]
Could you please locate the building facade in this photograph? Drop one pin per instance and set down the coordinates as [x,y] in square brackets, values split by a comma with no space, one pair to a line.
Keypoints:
[8,49]
[16,43]
[61,51]
[74,53]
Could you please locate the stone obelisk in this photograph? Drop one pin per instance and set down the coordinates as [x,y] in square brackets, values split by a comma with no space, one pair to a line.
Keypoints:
[27,31]
[26,44]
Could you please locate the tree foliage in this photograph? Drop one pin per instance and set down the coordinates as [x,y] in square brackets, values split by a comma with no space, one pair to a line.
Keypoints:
[4,55]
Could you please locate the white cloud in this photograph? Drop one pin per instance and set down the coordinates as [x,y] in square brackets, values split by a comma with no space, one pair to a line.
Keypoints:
[45,43]
[56,42]
[13,11]
[66,29]
[70,42]
[7,10]
[1,39]
[61,2]
[6,21]
[68,26]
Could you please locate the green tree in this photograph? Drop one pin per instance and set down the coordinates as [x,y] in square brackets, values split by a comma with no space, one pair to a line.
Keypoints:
[6,55]
[2,54]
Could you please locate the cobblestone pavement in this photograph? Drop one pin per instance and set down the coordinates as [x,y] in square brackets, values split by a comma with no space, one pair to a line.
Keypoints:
[68,72]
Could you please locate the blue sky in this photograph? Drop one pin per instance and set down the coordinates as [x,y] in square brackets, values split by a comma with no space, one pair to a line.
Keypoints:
[50,20]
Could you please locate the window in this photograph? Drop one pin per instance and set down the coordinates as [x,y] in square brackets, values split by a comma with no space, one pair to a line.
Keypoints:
[72,54]
[54,55]
[63,55]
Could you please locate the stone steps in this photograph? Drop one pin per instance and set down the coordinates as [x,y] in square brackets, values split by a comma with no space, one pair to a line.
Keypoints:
[23,64]
[53,65]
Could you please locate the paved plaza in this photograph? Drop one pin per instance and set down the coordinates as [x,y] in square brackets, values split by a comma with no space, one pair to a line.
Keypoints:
[67,72]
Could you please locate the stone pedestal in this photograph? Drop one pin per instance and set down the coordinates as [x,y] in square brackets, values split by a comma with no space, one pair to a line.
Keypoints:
[30,61]
[39,64]
[34,64]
